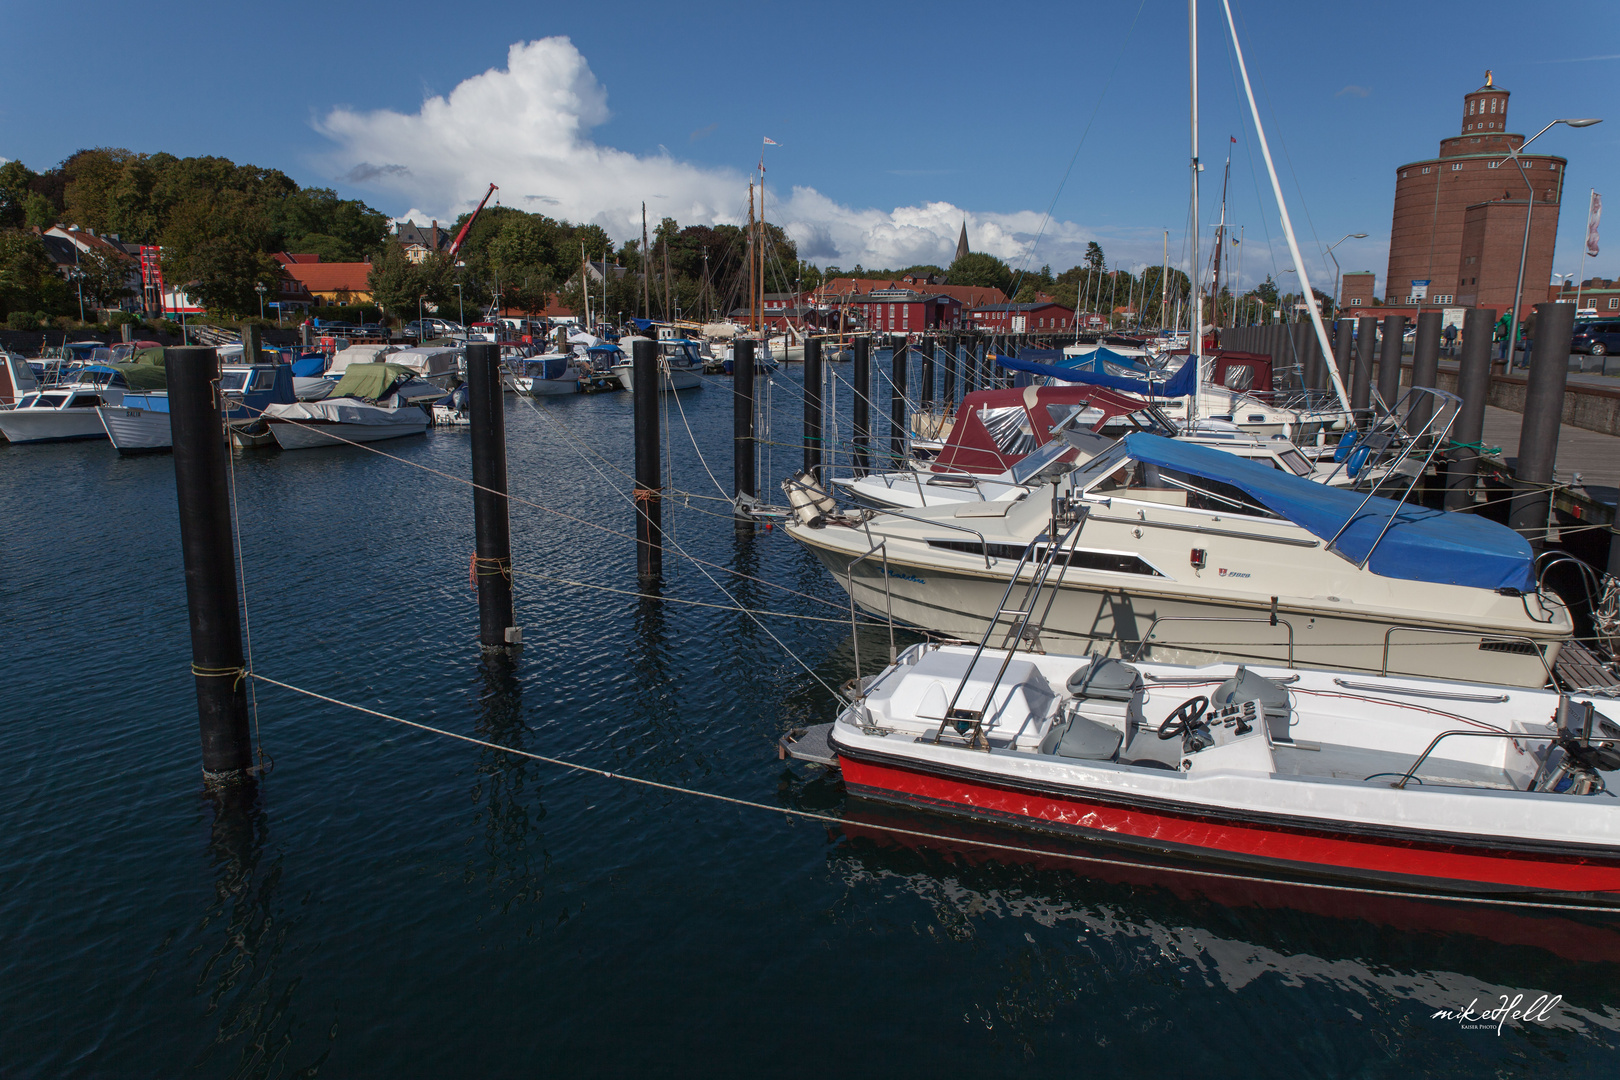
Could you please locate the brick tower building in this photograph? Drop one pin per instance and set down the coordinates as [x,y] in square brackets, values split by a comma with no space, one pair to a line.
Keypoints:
[1459,217]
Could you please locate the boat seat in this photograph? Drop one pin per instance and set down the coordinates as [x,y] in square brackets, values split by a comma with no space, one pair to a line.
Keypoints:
[1088,740]
[1106,678]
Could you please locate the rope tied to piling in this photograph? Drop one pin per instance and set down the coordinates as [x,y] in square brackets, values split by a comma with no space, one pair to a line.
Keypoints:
[240,673]
[647,494]
[1481,448]
[479,567]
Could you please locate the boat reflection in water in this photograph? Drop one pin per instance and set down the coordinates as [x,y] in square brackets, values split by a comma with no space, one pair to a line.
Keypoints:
[1089,919]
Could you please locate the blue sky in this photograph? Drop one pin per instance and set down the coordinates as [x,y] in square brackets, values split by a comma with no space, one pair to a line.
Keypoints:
[895,121]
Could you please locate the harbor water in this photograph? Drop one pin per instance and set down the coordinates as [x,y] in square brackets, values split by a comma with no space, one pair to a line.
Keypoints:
[392,902]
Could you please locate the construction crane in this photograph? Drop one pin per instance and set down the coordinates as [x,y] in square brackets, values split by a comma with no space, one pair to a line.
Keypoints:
[462,235]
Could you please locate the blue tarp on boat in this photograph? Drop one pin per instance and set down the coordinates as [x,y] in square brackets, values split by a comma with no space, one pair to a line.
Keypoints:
[1178,385]
[1422,544]
[306,367]
[1099,359]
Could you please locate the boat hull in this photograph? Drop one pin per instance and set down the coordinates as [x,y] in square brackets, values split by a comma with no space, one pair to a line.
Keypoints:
[1305,850]
[306,435]
[136,431]
[50,425]
[673,379]
[548,387]
[1118,617]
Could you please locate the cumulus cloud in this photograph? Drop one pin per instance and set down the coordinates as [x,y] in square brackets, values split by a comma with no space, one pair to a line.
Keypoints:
[527,128]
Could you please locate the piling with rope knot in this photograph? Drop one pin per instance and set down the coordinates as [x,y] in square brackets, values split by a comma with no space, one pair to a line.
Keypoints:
[492,559]
[645,383]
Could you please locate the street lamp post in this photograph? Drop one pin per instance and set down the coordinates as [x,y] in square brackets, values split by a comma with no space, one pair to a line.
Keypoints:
[1335,258]
[1529,206]
[260,289]
[461,312]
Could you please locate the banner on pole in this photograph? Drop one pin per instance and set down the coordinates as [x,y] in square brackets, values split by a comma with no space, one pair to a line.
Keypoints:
[1592,217]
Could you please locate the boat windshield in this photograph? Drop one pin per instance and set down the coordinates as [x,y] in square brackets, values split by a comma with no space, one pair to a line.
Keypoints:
[232,380]
[1026,468]
[1099,468]
[49,401]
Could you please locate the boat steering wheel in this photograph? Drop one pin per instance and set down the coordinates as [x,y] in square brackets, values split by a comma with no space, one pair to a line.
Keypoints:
[1185,717]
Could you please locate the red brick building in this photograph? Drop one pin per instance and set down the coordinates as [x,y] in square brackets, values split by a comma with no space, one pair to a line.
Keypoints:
[1459,218]
[1023,318]
[902,310]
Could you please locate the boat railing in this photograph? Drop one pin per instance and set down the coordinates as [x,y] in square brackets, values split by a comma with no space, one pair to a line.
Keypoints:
[1504,639]
[1272,620]
[880,548]
[1449,406]
[1418,764]
[984,545]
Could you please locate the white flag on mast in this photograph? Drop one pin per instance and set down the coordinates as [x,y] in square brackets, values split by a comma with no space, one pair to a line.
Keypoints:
[1592,217]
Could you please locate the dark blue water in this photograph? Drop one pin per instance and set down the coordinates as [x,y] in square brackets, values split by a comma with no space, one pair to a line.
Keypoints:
[392,903]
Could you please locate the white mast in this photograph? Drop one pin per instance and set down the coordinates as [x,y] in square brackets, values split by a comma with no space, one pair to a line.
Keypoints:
[1195,344]
[1288,226]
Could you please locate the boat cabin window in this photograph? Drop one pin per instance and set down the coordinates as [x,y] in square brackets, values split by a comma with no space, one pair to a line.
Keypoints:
[1204,493]
[1009,429]
[1074,417]
[84,401]
[50,401]
[1030,466]
[232,380]
[1238,377]
[1296,462]
[27,400]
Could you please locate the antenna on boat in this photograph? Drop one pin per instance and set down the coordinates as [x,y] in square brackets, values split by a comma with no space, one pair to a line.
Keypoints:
[1282,209]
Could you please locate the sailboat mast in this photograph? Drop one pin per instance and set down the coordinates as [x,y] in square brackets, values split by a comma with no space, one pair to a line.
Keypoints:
[1195,344]
[646,268]
[753,323]
[1164,279]
[1287,224]
[585,285]
[1220,244]
[761,239]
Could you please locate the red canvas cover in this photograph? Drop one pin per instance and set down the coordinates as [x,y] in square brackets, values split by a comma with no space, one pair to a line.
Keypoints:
[973,448]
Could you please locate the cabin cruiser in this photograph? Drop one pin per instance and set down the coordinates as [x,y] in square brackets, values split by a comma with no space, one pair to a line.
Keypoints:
[1192,553]
[678,361]
[66,409]
[370,403]
[1479,789]
[140,423]
[544,375]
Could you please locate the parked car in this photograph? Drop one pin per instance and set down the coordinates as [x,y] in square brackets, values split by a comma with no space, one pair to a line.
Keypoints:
[1600,338]
[372,330]
[336,329]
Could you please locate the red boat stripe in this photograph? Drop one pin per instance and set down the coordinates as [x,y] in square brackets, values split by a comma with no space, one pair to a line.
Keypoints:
[1306,849]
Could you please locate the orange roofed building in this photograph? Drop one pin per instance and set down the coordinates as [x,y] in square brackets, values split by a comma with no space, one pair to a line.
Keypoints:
[329,282]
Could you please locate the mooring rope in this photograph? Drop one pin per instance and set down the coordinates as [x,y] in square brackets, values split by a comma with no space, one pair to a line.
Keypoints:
[994,845]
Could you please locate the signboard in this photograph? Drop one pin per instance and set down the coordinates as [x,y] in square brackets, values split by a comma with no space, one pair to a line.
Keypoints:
[1018,324]
[1452,316]
[1420,289]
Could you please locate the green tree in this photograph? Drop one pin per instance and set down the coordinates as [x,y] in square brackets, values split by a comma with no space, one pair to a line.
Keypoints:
[395,282]
[1094,260]
[106,277]
[979,269]
[28,279]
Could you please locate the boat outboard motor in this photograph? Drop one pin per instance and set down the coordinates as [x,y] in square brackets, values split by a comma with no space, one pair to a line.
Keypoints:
[1247,686]
[1588,745]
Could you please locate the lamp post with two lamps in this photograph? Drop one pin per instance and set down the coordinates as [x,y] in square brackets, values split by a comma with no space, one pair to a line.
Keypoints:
[1335,258]
[1529,207]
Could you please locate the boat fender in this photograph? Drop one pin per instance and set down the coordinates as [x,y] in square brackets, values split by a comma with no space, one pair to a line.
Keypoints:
[1358,459]
[1347,442]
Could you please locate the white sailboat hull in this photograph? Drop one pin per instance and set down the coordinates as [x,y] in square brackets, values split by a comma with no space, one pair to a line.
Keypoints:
[136,431]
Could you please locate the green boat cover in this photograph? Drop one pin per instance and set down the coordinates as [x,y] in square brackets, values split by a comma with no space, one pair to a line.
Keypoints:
[151,355]
[370,382]
[143,377]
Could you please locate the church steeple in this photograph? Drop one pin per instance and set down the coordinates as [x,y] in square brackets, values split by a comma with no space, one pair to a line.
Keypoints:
[961,241]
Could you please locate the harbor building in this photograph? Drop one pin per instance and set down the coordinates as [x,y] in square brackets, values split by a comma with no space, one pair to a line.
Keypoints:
[1459,217]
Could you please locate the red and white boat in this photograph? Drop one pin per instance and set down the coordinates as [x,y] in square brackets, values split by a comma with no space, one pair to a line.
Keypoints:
[1400,783]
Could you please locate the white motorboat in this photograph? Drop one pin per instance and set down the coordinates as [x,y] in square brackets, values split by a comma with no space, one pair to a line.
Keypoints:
[66,409]
[140,423]
[1403,783]
[1192,553]
[371,403]
[16,379]
[679,364]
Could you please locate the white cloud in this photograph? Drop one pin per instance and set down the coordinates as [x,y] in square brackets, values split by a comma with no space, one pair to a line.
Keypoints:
[527,129]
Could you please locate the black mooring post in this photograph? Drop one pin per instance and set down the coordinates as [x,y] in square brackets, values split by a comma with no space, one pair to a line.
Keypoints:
[649,507]
[861,420]
[1389,359]
[970,366]
[812,408]
[925,372]
[210,559]
[492,561]
[948,377]
[1344,342]
[897,402]
[1312,375]
[1474,387]
[1425,369]
[1543,412]
[744,497]
[1366,347]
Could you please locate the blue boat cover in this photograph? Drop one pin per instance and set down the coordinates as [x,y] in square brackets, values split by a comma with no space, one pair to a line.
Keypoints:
[1098,359]
[1178,385]
[308,367]
[1422,544]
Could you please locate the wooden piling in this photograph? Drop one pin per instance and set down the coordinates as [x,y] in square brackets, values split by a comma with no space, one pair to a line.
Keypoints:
[897,401]
[1473,386]
[1425,369]
[1366,347]
[492,559]
[208,548]
[813,425]
[645,381]
[861,408]
[1543,412]
[744,497]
